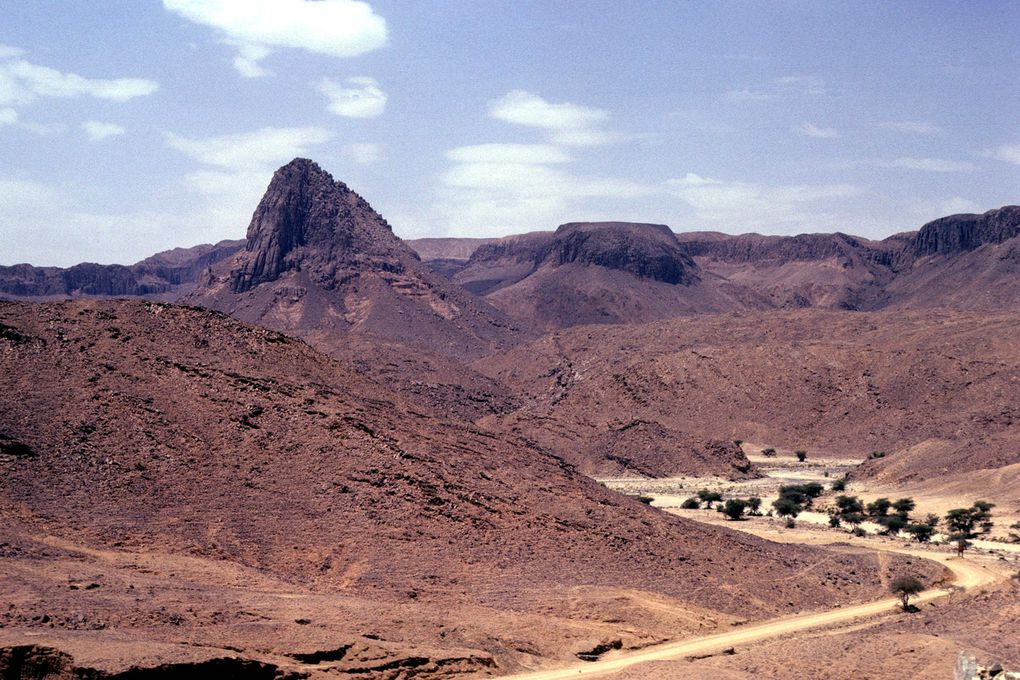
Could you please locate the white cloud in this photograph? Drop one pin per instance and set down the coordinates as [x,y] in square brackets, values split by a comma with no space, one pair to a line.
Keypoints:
[338,28]
[6,51]
[744,206]
[525,108]
[251,149]
[247,60]
[358,97]
[500,188]
[565,124]
[913,127]
[809,130]
[8,116]
[928,165]
[1009,153]
[508,153]
[98,131]
[21,82]
[364,153]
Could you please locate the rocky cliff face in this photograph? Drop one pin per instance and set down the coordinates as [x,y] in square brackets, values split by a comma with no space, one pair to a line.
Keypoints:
[778,250]
[648,251]
[957,234]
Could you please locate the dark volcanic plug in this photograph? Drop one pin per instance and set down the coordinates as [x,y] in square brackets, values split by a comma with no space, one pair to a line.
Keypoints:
[321,263]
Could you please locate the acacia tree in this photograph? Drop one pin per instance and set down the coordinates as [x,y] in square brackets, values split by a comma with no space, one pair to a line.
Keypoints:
[962,523]
[734,508]
[905,587]
[708,497]
[921,532]
[879,508]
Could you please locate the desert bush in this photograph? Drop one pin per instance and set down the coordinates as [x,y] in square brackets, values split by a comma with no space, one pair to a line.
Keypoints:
[691,504]
[801,455]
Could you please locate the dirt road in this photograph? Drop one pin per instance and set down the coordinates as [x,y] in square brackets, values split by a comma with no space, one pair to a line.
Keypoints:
[969,572]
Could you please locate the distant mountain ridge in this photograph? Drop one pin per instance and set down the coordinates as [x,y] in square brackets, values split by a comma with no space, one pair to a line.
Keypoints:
[167,274]
[311,233]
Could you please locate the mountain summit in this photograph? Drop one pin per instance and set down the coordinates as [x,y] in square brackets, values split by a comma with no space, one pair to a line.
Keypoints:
[319,262]
[308,221]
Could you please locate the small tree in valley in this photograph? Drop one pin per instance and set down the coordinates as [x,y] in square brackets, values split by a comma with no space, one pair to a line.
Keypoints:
[734,508]
[905,587]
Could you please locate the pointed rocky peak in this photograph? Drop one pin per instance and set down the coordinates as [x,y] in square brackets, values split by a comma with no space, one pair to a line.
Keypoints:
[308,220]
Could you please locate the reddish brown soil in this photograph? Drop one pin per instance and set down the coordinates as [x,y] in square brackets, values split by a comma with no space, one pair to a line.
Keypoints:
[220,461]
[845,383]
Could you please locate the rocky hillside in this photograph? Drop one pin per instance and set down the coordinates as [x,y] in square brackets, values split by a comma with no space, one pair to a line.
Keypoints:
[319,262]
[605,272]
[170,472]
[934,390]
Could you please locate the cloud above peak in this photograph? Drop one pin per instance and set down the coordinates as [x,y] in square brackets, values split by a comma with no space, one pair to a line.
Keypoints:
[359,97]
[566,124]
[337,28]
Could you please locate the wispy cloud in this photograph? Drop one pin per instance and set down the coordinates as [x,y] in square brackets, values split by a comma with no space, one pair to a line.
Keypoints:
[564,123]
[912,127]
[509,153]
[779,88]
[22,82]
[1010,153]
[364,153]
[809,130]
[98,131]
[743,206]
[928,164]
[359,97]
[338,28]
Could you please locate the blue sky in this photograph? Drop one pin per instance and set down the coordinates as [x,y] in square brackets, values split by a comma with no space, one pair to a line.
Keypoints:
[132,126]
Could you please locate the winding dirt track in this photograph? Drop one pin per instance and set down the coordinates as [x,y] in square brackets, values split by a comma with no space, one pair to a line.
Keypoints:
[969,573]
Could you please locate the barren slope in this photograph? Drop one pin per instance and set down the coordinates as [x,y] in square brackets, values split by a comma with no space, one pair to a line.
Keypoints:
[144,440]
[934,390]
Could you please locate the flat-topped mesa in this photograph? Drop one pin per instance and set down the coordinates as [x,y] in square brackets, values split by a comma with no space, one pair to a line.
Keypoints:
[960,233]
[307,220]
[648,251]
